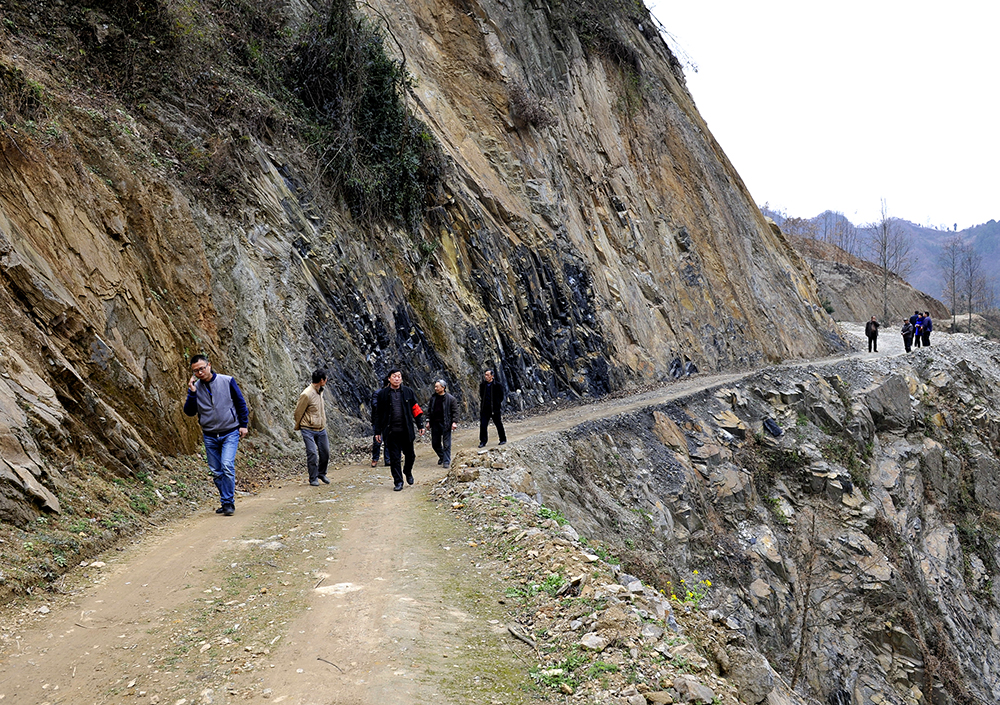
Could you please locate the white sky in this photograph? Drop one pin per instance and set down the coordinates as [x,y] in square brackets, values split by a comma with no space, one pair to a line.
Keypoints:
[839,105]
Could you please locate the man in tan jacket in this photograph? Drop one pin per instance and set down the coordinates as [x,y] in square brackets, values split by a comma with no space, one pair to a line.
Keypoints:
[310,418]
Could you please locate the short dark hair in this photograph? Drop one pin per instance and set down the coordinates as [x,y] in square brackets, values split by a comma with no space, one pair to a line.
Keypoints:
[198,358]
[393,371]
[319,375]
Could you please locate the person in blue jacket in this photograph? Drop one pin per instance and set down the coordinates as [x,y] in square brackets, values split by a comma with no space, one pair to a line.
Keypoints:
[925,330]
[225,420]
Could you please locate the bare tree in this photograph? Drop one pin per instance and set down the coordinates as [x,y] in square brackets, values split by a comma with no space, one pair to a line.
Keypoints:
[839,231]
[800,227]
[950,262]
[889,249]
[973,285]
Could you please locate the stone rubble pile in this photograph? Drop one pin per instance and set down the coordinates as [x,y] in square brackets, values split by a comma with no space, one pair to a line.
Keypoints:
[595,633]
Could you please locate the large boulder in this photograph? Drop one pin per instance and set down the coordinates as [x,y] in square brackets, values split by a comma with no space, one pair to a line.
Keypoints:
[752,675]
[889,403]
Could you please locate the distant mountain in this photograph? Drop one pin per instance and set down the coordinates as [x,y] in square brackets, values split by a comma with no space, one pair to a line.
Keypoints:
[925,243]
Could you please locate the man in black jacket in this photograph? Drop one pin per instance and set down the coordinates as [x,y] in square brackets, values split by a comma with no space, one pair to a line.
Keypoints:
[871,332]
[441,411]
[491,395]
[397,412]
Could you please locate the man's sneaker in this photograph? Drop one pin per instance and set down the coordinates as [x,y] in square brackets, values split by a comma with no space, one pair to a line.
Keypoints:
[502,443]
[322,478]
[447,465]
[220,510]
[398,487]
[482,445]
[314,483]
[229,510]
[409,479]
[440,461]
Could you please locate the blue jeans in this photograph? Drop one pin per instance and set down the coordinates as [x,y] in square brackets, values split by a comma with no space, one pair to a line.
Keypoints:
[317,452]
[221,454]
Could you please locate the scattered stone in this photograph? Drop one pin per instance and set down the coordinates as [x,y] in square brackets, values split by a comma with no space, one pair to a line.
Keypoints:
[594,642]
[692,690]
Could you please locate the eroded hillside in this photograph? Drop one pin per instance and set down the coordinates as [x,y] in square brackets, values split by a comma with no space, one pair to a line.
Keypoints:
[169,184]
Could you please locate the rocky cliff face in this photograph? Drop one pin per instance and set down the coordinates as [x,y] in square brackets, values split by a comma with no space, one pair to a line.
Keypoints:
[859,550]
[157,202]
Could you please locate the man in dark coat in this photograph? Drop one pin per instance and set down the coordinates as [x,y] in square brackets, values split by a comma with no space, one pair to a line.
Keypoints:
[491,396]
[441,411]
[907,335]
[871,332]
[925,330]
[376,444]
[397,413]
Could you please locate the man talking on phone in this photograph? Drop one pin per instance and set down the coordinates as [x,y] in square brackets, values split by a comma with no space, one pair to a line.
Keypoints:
[224,418]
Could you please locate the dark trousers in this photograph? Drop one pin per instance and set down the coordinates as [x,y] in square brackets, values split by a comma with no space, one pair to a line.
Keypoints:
[317,452]
[926,339]
[484,424]
[907,342]
[873,343]
[916,341]
[441,442]
[377,450]
[397,444]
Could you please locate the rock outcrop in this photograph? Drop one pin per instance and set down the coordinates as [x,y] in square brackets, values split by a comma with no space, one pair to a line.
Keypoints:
[156,201]
[858,551]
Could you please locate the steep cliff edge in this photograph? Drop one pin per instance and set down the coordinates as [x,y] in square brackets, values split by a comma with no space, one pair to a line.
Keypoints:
[859,550]
[159,198]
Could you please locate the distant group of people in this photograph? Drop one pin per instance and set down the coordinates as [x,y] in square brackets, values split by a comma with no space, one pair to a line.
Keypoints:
[397,417]
[916,331]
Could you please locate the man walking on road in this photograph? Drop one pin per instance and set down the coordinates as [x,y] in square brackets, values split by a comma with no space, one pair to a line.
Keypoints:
[397,412]
[224,418]
[310,419]
[871,332]
[491,395]
[442,414]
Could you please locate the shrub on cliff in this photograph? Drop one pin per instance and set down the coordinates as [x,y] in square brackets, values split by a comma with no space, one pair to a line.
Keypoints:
[382,157]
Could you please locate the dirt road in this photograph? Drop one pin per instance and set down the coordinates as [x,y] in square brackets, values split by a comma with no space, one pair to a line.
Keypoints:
[347,593]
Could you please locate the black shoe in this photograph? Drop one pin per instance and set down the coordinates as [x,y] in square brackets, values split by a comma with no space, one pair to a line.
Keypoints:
[314,483]
[409,479]
[440,461]
[447,466]
[322,478]
[229,510]
[398,487]
[220,510]
[502,443]
[482,445]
